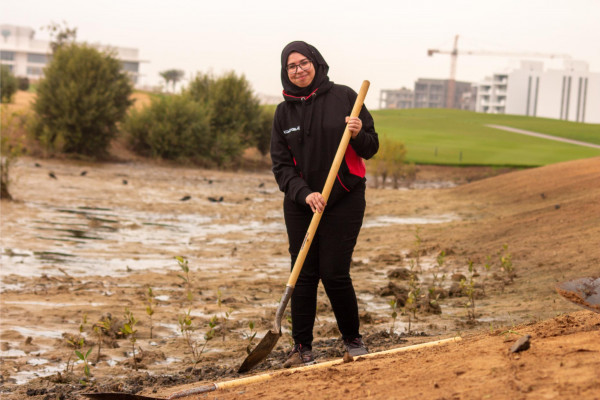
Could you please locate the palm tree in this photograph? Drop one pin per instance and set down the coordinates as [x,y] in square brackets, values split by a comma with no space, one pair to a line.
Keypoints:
[172,75]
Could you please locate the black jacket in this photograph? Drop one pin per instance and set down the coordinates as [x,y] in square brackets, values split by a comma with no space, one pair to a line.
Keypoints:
[305,137]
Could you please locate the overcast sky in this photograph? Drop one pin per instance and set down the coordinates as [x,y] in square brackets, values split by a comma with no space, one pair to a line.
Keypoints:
[385,42]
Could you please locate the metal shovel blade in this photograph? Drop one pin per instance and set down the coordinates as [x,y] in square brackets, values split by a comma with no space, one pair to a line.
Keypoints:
[584,292]
[261,351]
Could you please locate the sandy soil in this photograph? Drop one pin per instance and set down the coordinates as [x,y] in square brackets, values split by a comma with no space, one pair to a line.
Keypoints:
[91,241]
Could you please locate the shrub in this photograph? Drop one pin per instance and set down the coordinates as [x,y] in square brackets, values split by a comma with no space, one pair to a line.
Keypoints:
[23,83]
[262,135]
[80,101]
[236,118]
[389,162]
[12,145]
[172,127]
[8,84]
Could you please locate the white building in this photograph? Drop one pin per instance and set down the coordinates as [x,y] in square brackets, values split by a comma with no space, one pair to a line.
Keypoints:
[27,56]
[572,93]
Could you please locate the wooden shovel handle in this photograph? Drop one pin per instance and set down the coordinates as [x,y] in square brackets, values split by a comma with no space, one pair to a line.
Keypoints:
[333,171]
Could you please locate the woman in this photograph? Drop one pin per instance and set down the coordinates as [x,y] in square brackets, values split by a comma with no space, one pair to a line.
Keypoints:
[307,129]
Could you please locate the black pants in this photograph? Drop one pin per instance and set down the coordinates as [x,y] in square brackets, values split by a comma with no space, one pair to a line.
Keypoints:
[327,260]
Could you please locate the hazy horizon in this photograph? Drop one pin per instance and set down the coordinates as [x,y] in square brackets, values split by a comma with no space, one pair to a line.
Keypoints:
[384,42]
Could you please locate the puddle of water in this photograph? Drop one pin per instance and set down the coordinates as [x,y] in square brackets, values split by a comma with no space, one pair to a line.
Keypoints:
[12,353]
[34,332]
[11,287]
[85,240]
[168,360]
[37,361]
[23,377]
[432,184]
[387,220]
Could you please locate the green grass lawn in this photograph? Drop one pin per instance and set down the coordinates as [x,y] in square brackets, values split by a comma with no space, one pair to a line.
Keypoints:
[442,136]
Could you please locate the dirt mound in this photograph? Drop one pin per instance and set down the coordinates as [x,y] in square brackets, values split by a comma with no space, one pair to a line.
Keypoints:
[547,216]
[549,185]
[563,361]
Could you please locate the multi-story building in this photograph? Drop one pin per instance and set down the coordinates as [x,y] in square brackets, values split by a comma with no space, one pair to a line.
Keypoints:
[27,56]
[429,93]
[572,93]
[396,98]
[433,93]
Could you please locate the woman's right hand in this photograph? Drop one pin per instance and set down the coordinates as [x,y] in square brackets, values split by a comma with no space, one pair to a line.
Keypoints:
[316,202]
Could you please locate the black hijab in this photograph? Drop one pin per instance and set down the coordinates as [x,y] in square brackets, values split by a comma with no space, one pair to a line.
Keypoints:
[320,81]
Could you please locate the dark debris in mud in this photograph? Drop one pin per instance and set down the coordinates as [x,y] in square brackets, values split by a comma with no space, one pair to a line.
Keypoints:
[70,387]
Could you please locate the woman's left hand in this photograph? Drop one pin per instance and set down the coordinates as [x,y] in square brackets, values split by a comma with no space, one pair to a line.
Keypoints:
[354,125]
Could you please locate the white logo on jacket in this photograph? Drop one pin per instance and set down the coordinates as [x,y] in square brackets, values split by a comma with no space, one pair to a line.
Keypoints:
[294,129]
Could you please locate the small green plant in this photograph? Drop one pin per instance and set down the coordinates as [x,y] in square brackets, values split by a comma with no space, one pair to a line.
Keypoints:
[185,320]
[150,303]
[78,341]
[417,248]
[186,328]
[183,264]
[250,336]
[414,290]
[128,330]
[210,333]
[468,287]
[103,324]
[225,316]
[440,261]
[86,364]
[393,305]
[506,264]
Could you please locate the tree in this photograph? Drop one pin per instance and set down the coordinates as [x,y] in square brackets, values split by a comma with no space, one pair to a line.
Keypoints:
[173,127]
[390,162]
[8,84]
[80,101]
[172,75]
[60,35]
[236,117]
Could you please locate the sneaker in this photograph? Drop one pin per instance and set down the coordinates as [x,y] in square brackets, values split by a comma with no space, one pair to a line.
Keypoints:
[299,356]
[355,347]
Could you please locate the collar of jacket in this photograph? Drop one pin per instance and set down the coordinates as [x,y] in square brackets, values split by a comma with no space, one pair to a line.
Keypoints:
[289,97]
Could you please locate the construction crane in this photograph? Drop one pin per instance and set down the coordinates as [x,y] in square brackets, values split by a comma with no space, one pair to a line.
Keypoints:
[454,56]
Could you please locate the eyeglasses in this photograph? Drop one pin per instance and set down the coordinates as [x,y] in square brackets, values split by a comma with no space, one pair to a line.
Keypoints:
[304,65]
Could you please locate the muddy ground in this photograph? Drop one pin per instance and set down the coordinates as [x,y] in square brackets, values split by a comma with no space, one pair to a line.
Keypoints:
[83,242]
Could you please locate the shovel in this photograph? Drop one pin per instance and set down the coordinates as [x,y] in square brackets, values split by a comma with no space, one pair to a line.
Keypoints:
[584,292]
[268,342]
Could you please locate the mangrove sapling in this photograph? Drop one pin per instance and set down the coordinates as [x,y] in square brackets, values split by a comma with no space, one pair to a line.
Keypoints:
[186,328]
[150,303]
[414,290]
[225,316]
[417,249]
[99,327]
[250,336]
[393,305]
[440,260]
[86,364]
[468,287]
[77,342]
[128,330]
[506,264]
[183,264]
